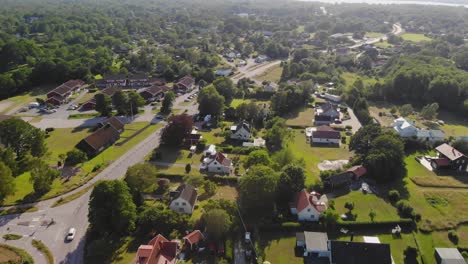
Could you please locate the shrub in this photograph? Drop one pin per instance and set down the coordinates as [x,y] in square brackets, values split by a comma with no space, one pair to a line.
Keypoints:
[44,249]
[465,254]
[12,237]
[75,156]
[453,236]
[343,140]
[290,224]
[405,209]
[348,127]
[188,168]
[229,250]
[394,196]
[201,144]
[97,167]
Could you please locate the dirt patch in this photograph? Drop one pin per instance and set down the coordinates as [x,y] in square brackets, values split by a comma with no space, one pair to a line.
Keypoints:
[332,165]
[8,256]
[5,105]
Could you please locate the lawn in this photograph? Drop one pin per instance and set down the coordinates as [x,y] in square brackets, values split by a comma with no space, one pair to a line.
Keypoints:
[236,102]
[302,119]
[374,34]
[363,203]
[10,254]
[60,186]
[383,44]
[272,74]
[86,97]
[414,37]
[62,140]
[313,155]
[213,136]
[350,78]
[279,248]
[84,116]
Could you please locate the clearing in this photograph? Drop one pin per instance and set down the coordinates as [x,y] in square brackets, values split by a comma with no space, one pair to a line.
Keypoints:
[272,74]
[304,118]
[414,37]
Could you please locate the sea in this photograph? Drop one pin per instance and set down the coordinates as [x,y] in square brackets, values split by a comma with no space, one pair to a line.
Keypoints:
[390,2]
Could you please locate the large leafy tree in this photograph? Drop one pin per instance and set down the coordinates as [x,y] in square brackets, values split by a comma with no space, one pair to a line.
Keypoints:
[385,160]
[135,101]
[178,128]
[361,140]
[7,184]
[42,176]
[103,104]
[257,157]
[159,218]
[120,102]
[226,88]
[277,134]
[167,102]
[291,181]
[111,209]
[210,102]
[22,137]
[258,189]
[217,222]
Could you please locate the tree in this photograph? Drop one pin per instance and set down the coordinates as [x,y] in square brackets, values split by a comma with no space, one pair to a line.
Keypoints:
[7,156]
[22,137]
[209,187]
[194,180]
[141,176]
[167,102]
[276,135]
[349,206]
[120,102]
[159,218]
[406,110]
[111,209]
[411,254]
[430,111]
[135,101]
[394,196]
[372,215]
[258,189]
[103,104]
[291,181]
[386,158]
[361,141]
[257,157]
[42,176]
[330,218]
[178,128]
[210,102]
[226,88]
[217,222]
[7,182]
[188,168]
[461,145]
[75,156]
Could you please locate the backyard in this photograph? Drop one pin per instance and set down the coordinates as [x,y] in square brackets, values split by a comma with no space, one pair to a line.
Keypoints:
[279,248]
[303,118]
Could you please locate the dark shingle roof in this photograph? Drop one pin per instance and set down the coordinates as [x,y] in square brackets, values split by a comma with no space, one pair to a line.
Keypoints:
[102,137]
[346,252]
[188,193]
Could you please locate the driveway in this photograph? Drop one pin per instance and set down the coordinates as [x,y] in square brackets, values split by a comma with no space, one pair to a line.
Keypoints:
[353,121]
[239,255]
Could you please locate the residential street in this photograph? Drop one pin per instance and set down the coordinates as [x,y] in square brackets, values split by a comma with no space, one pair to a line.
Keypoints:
[74,214]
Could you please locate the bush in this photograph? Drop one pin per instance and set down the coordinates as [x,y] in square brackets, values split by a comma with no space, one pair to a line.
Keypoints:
[453,236]
[290,224]
[97,167]
[229,250]
[394,196]
[201,144]
[348,127]
[343,140]
[12,237]
[405,209]
[75,156]
[44,249]
[465,254]
[188,168]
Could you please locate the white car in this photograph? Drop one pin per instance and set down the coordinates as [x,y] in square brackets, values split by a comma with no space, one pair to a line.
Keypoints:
[247,237]
[71,234]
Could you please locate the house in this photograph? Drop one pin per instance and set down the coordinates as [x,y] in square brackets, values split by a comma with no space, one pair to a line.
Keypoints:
[191,240]
[192,138]
[323,120]
[344,179]
[158,250]
[449,256]
[332,97]
[241,131]
[449,158]
[307,206]
[138,81]
[348,252]
[154,92]
[325,135]
[219,164]
[210,151]
[328,109]
[225,72]
[185,84]
[261,59]
[184,199]
[91,103]
[404,128]
[112,81]
[105,136]
[270,87]
[430,135]
[60,94]
[115,123]
[315,244]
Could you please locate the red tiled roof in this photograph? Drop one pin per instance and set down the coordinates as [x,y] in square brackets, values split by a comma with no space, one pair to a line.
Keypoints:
[304,199]
[186,81]
[142,255]
[102,137]
[358,170]
[222,159]
[194,237]
[115,122]
[326,132]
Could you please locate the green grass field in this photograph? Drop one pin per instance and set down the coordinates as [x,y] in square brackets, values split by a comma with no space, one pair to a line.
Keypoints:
[313,155]
[350,78]
[363,203]
[272,74]
[279,248]
[86,97]
[414,37]
[304,118]
[236,102]
[62,140]
[383,44]
[374,34]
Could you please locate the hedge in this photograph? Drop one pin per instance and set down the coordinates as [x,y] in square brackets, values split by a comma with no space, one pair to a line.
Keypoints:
[404,222]
[214,178]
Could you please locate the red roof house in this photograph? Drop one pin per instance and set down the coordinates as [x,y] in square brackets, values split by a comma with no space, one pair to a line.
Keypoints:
[158,251]
[185,84]
[307,206]
[357,171]
[193,238]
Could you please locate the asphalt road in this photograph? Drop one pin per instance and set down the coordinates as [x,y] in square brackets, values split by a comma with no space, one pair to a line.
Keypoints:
[37,225]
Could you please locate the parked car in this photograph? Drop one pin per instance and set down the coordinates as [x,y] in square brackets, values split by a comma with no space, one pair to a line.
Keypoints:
[187,100]
[247,237]
[71,234]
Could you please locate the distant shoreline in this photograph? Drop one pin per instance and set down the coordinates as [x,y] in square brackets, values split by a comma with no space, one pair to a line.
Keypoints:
[389,2]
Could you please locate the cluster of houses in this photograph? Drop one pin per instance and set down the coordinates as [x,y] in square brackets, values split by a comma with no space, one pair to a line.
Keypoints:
[161,250]
[61,94]
[406,129]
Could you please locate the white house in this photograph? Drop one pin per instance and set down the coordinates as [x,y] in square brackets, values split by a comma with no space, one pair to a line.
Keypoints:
[332,97]
[210,151]
[308,206]
[184,199]
[225,72]
[325,135]
[241,131]
[404,128]
[313,243]
[329,110]
[218,163]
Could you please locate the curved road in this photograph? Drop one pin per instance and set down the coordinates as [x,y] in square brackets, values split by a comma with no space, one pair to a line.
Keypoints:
[37,225]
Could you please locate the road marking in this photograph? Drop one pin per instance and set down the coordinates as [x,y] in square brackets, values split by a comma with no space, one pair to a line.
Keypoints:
[35,219]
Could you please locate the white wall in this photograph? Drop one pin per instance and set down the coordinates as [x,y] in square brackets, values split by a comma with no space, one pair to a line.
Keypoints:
[307,213]
[178,206]
[324,140]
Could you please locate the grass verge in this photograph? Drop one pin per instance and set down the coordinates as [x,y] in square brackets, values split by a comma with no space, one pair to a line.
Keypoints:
[44,249]
[72,197]
[12,237]
[10,211]
[14,254]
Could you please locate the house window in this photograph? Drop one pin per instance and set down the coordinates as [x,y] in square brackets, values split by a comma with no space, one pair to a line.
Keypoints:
[177,204]
[312,217]
[184,203]
[219,168]
[308,210]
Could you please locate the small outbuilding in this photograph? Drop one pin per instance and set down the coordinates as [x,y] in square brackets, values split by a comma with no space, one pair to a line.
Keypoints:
[449,256]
